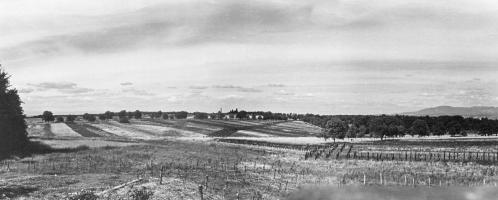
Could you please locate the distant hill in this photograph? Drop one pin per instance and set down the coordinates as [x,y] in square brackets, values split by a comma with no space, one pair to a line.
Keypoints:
[476,111]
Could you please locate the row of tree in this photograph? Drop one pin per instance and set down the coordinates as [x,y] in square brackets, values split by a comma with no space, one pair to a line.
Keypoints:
[351,126]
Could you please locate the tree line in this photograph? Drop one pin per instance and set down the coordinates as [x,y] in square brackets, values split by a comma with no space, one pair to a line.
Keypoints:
[381,126]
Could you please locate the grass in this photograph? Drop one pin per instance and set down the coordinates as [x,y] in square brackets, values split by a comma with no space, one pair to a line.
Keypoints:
[224,170]
[84,130]
[233,171]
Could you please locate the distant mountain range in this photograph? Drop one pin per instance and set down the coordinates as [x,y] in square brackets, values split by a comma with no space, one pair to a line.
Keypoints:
[476,111]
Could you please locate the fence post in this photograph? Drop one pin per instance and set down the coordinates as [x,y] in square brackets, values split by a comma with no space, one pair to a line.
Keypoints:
[200,192]
[207,180]
[161,175]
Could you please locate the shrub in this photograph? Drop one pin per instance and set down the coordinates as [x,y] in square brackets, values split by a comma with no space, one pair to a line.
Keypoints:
[84,195]
[124,119]
[70,118]
[140,194]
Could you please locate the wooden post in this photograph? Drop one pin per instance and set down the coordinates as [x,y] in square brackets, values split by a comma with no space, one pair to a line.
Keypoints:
[200,192]
[161,175]
[207,180]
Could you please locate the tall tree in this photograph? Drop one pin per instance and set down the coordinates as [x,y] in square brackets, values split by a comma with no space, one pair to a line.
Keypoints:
[335,128]
[181,115]
[454,128]
[352,131]
[420,127]
[438,128]
[109,114]
[137,114]
[242,114]
[48,116]
[378,127]
[12,125]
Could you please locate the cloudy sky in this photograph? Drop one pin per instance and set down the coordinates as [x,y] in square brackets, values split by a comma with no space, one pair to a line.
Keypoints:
[327,57]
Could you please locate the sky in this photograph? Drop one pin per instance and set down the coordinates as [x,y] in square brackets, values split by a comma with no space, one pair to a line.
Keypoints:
[316,56]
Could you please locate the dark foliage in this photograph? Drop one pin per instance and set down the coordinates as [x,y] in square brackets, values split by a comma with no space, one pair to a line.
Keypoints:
[12,125]
[398,125]
[181,115]
[48,116]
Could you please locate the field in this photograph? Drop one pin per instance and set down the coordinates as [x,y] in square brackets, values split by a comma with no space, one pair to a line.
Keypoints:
[187,159]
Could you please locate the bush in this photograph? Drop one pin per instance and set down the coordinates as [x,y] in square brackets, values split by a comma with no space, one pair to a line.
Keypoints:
[124,119]
[84,195]
[70,118]
[141,194]
[59,119]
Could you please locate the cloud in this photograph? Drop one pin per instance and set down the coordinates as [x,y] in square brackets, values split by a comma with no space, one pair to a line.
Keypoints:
[198,87]
[76,90]
[126,84]
[284,93]
[26,90]
[275,85]
[54,85]
[62,87]
[165,25]
[138,92]
[226,86]
[231,97]
[238,88]
[248,90]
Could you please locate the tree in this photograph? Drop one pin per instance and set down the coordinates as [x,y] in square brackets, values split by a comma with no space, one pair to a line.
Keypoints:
[362,131]
[123,117]
[378,127]
[157,114]
[242,114]
[352,131]
[485,127]
[335,128]
[89,117]
[70,118]
[137,114]
[102,117]
[420,127]
[12,124]
[454,128]
[48,116]
[59,119]
[86,116]
[200,115]
[438,128]
[122,113]
[181,115]
[109,115]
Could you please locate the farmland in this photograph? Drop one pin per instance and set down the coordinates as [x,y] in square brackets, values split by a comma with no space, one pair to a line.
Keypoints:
[172,159]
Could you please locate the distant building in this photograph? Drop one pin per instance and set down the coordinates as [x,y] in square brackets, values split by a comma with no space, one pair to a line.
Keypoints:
[190,116]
